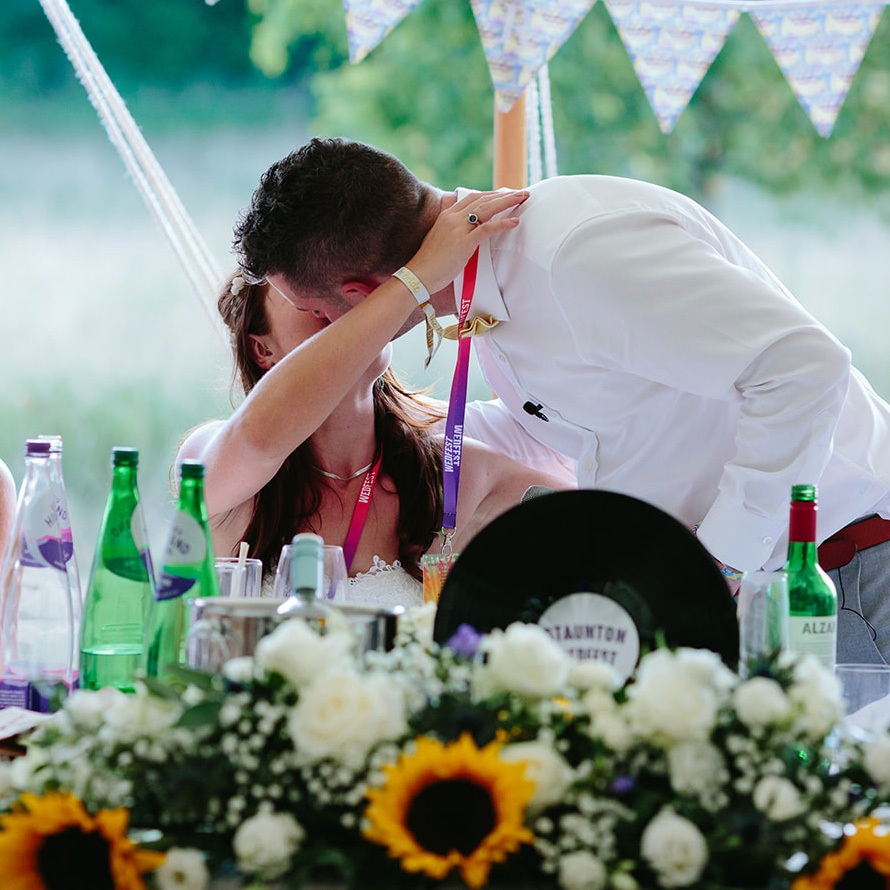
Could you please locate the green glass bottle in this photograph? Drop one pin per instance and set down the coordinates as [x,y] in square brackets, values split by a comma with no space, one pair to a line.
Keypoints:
[812,623]
[121,587]
[188,571]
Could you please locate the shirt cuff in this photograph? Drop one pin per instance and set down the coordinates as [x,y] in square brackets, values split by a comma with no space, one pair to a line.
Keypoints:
[737,537]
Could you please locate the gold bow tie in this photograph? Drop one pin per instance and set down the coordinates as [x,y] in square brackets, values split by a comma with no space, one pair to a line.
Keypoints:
[472,327]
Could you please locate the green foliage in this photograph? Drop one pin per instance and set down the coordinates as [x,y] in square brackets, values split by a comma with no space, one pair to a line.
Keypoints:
[425,94]
[428,101]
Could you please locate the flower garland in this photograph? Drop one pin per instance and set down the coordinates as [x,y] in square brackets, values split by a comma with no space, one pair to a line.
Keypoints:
[496,761]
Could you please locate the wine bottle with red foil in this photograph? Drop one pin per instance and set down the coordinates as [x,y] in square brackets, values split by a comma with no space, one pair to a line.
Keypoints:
[812,623]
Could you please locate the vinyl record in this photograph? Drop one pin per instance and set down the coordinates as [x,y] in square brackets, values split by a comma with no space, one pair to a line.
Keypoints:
[641,573]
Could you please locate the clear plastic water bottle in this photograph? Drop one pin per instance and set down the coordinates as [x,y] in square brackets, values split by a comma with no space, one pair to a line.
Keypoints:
[61,500]
[307,586]
[55,459]
[36,592]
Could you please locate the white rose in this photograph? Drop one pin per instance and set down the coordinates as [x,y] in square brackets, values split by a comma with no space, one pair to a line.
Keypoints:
[343,714]
[675,848]
[761,702]
[876,759]
[816,692]
[581,870]
[607,720]
[696,768]
[239,670]
[184,869]
[614,730]
[677,695]
[545,767]
[587,675]
[777,798]
[265,843]
[87,709]
[139,714]
[417,624]
[299,654]
[525,660]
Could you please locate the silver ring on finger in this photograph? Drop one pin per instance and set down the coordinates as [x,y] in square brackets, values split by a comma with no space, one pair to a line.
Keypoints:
[474,220]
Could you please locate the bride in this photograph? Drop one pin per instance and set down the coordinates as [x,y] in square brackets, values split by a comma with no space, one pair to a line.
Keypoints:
[297,451]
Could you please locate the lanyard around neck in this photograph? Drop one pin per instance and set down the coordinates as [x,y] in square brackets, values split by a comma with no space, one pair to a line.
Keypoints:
[360,514]
[457,404]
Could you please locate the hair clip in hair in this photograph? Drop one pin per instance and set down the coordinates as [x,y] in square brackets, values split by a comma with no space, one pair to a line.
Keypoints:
[238,283]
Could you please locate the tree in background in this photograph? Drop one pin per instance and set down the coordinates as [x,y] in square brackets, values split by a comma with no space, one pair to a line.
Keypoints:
[426,95]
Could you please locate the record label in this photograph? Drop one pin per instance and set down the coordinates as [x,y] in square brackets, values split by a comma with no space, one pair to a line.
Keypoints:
[593,627]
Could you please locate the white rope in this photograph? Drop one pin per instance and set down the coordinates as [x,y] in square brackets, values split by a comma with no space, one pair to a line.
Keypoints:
[533,132]
[148,176]
[539,128]
[549,137]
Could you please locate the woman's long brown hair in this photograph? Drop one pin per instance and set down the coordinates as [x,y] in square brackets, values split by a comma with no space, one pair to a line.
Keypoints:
[289,502]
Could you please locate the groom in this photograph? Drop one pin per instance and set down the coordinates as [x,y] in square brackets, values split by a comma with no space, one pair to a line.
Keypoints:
[635,333]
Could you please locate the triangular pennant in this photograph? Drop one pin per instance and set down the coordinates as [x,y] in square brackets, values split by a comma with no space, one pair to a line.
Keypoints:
[819,49]
[520,36]
[671,47]
[369,21]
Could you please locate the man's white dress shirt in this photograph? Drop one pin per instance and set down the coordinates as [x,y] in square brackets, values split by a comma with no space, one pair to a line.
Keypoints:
[673,366]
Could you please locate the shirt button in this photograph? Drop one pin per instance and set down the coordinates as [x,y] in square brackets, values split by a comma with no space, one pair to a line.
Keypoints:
[587,466]
[766,540]
[502,357]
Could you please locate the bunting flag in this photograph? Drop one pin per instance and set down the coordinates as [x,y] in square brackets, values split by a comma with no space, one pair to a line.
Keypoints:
[819,49]
[671,46]
[818,44]
[520,36]
[369,21]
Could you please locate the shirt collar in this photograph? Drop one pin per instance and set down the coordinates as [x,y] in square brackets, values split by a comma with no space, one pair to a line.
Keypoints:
[487,299]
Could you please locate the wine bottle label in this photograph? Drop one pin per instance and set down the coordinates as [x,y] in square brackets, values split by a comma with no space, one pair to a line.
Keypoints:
[814,635]
[593,627]
[186,549]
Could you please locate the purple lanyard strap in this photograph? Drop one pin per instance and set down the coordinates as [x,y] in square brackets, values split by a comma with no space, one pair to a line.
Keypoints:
[457,404]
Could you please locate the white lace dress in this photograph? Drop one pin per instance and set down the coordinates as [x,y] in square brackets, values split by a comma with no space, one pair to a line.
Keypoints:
[384,584]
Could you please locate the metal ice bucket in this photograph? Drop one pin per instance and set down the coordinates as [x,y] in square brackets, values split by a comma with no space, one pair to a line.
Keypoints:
[224,627]
[229,627]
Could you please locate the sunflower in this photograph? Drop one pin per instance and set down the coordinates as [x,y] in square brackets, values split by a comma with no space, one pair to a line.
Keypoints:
[53,843]
[861,862]
[447,806]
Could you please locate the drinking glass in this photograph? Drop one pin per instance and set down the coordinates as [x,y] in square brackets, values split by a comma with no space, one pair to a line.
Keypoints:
[244,582]
[866,690]
[763,618]
[336,581]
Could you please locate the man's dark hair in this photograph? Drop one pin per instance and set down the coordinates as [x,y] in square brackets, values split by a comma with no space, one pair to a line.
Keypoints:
[331,211]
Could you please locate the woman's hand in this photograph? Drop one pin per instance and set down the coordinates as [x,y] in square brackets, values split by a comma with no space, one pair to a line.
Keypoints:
[450,243]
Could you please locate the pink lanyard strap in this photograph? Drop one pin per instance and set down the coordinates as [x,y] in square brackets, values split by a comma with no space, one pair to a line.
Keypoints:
[457,404]
[360,514]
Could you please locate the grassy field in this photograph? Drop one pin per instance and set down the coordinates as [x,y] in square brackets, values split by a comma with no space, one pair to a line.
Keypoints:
[103,341]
